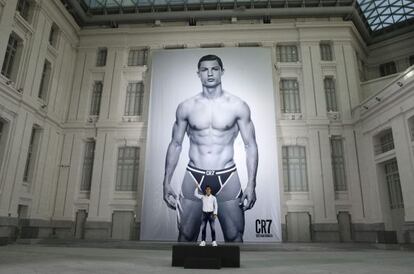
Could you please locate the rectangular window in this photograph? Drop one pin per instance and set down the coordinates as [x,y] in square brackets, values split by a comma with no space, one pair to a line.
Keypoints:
[24,7]
[388,69]
[249,45]
[288,53]
[330,94]
[338,163]
[211,45]
[411,127]
[12,58]
[53,35]
[101,57]
[127,169]
[411,60]
[30,160]
[2,139]
[137,57]
[88,158]
[386,141]
[44,82]
[326,51]
[134,98]
[392,177]
[96,98]
[289,94]
[294,168]
[1,130]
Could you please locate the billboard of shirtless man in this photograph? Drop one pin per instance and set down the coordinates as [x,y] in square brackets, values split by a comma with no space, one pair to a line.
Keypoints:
[212,119]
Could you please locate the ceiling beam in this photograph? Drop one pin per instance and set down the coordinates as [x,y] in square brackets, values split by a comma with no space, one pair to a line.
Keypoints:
[347,12]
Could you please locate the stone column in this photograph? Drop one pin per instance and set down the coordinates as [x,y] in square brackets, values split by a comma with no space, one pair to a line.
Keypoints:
[405,162]
[324,221]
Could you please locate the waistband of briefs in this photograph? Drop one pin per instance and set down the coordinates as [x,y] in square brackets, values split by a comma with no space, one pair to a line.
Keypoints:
[211,172]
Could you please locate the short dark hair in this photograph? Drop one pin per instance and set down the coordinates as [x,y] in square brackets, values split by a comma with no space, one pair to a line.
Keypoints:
[210,57]
[207,186]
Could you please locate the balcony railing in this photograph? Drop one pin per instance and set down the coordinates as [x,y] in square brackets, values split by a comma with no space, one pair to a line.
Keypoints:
[384,147]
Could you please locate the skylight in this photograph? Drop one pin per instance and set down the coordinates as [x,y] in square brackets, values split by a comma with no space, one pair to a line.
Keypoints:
[384,13]
[379,14]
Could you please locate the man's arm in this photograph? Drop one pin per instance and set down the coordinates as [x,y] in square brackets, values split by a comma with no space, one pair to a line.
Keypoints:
[173,154]
[199,196]
[248,135]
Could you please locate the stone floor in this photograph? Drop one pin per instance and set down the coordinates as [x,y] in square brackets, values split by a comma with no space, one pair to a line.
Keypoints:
[62,259]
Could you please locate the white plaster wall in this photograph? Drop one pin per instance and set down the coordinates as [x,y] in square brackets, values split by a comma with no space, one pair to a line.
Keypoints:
[390,107]
[55,190]
[21,107]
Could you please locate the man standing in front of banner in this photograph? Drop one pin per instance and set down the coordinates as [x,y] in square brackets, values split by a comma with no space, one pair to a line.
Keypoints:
[212,120]
[209,214]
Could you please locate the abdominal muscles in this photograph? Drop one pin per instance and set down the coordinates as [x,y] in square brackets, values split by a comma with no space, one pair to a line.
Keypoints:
[212,149]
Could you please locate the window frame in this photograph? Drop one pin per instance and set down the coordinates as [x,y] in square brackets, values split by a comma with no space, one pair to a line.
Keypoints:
[289,161]
[384,141]
[331,97]
[101,57]
[96,98]
[287,93]
[45,81]
[393,182]
[123,164]
[282,51]
[87,165]
[338,162]
[326,51]
[4,136]
[33,147]
[139,95]
[411,60]
[53,39]
[388,68]
[12,58]
[133,61]
[25,9]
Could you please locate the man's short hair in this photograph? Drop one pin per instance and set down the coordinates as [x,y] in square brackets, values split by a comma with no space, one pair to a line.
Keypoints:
[207,186]
[210,57]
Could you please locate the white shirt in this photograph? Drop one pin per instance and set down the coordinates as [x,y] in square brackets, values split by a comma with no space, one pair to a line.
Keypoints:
[209,202]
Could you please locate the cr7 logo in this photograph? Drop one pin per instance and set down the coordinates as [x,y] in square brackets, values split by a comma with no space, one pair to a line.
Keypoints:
[263,226]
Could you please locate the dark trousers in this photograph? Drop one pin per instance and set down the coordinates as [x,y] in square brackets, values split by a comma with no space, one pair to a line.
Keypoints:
[208,216]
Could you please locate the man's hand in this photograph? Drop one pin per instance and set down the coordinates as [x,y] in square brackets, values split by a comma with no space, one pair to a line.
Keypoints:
[169,196]
[250,196]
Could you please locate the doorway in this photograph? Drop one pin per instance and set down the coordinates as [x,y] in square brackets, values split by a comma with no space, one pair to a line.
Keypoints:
[122,225]
[344,225]
[395,198]
[81,216]
[298,227]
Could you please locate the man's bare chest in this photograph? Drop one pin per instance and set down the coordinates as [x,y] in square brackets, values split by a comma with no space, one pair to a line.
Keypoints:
[212,117]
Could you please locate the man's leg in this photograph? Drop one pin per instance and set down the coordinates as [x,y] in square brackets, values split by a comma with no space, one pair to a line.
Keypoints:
[204,226]
[190,220]
[231,217]
[230,214]
[211,221]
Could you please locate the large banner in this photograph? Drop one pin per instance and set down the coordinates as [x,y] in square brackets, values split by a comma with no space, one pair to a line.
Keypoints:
[205,118]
